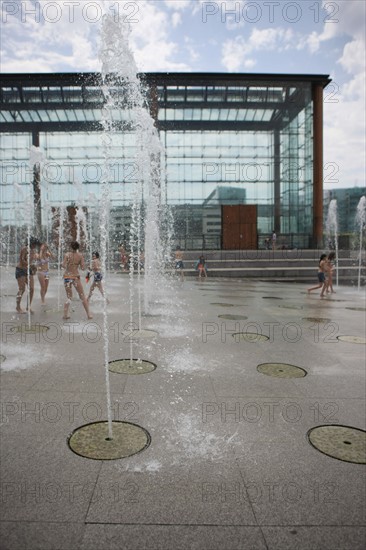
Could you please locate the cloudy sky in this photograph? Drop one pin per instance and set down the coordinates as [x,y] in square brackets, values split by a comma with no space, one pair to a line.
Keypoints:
[279,36]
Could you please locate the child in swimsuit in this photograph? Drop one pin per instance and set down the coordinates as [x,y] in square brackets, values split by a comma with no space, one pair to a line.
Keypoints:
[201,267]
[97,280]
[43,269]
[331,268]
[72,261]
[321,276]
[26,264]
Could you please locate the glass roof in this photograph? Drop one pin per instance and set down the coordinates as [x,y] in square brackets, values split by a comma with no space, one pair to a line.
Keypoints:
[69,104]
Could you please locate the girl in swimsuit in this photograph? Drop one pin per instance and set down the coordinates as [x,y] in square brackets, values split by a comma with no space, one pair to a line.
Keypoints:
[97,281]
[43,269]
[72,261]
[27,259]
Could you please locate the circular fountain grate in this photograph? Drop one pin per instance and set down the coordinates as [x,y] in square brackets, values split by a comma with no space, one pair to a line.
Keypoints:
[281,370]
[32,329]
[316,319]
[250,336]
[92,440]
[341,442]
[352,339]
[139,334]
[233,317]
[131,366]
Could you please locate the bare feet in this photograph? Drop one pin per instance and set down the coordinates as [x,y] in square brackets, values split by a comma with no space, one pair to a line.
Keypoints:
[19,310]
[90,317]
[65,318]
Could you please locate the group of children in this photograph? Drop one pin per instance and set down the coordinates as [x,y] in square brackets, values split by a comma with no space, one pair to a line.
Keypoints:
[199,266]
[32,262]
[325,274]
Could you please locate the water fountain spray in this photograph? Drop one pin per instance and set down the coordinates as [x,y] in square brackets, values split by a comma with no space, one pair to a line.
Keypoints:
[332,229]
[361,222]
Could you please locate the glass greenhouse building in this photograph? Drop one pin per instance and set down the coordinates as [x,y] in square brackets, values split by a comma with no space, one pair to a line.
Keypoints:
[243,153]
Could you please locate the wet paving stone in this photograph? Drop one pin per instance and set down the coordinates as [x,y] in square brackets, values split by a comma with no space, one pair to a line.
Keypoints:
[250,337]
[32,329]
[352,339]
[233,317]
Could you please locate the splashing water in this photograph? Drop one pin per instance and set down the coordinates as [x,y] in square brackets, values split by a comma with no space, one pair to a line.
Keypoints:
[332,230]
[360,222]
[62,220]
[81,225]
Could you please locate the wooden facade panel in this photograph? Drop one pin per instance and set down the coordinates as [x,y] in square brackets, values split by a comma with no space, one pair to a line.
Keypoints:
[239,227]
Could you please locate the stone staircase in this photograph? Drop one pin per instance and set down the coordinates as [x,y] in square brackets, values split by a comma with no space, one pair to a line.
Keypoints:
[300,265]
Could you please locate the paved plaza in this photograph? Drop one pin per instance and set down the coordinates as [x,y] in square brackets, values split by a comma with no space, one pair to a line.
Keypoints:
[230,465]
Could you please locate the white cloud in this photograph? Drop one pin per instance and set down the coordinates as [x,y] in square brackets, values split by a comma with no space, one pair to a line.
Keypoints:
[35,45]
[353,56]
[192,48]
[176,19]
[178,4]
[238,53]
[235,54]
[344,115]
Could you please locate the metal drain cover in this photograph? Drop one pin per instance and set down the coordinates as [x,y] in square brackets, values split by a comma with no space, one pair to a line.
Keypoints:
[281,370]
[92,440]
[233,317]
[32,329]
[352,339]
[316,319]
[131,366]
[341,442]
[250,336]
[137,334]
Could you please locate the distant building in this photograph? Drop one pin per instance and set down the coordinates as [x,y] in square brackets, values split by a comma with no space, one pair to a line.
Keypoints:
[258,134]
